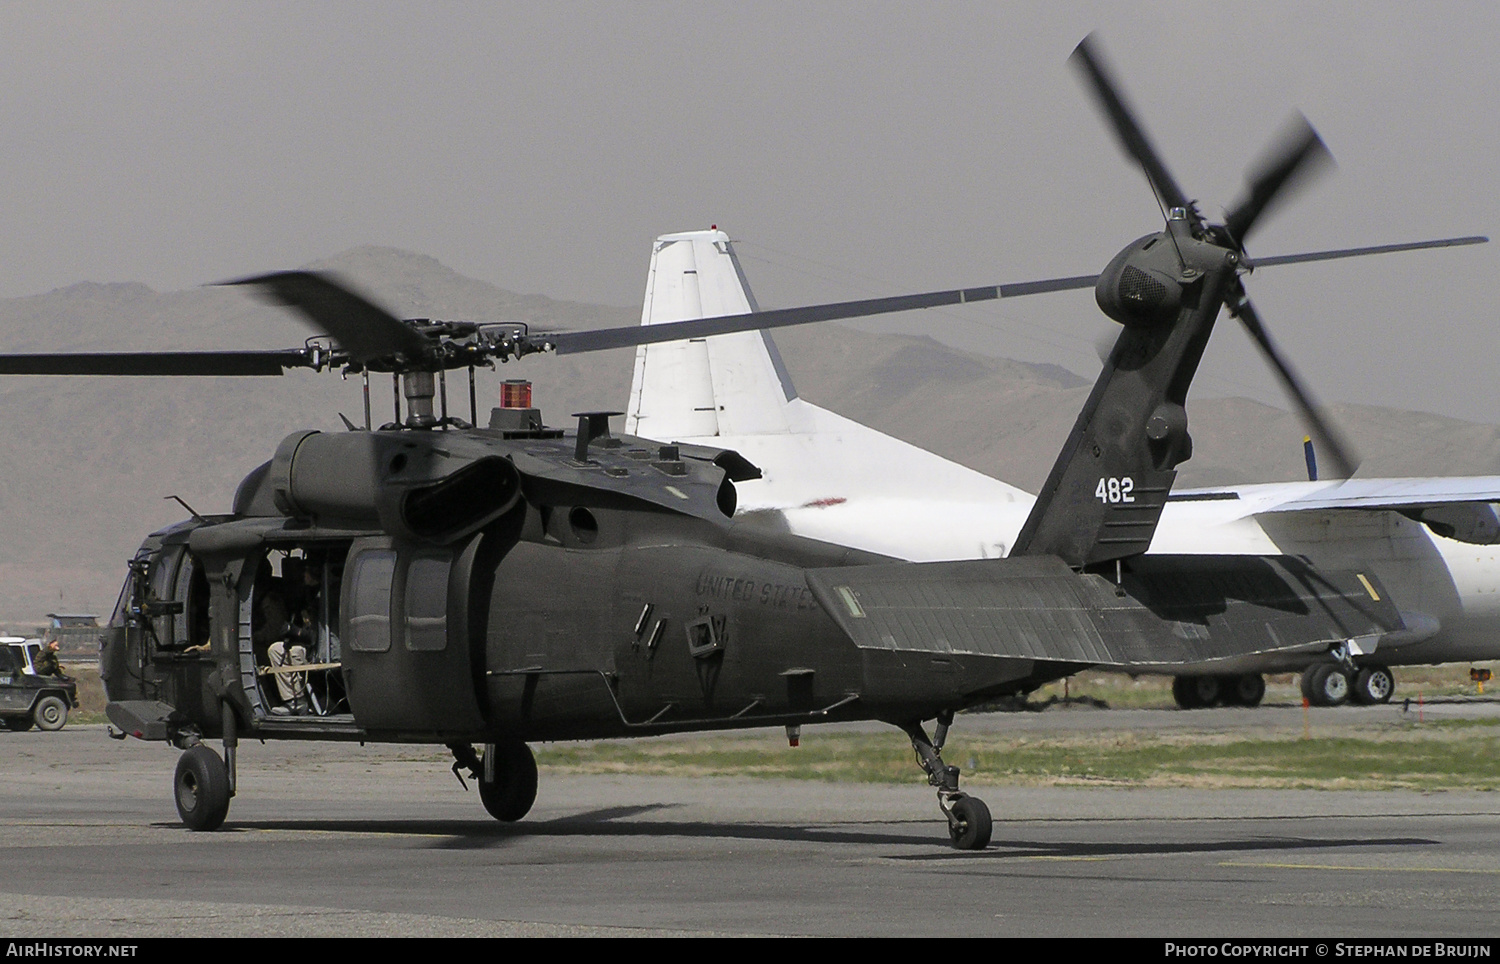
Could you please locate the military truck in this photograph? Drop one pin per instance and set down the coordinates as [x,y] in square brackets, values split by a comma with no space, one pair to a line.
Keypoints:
[26,698]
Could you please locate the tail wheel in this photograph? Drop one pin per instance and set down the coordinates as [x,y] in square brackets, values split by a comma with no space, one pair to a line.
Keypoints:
[51,713]
[969,824]
[1327,685]
[1373,685]
[202,788]
[510,796]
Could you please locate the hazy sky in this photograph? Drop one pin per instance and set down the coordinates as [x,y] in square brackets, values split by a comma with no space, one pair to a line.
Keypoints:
[854,149]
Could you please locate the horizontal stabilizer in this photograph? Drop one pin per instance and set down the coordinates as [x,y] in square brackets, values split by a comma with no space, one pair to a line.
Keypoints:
[1166,610]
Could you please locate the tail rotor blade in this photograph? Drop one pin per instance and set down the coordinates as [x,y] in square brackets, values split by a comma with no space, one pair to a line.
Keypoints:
[1340,456]
[1088,58]
[1297,155]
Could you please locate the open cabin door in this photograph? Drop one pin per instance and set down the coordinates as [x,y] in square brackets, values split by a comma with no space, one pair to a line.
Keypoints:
[408,663]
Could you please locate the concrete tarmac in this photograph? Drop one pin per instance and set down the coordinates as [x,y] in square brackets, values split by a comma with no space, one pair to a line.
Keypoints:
[342,840]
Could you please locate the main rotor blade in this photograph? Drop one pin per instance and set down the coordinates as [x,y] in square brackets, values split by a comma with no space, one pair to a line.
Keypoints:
[1090,60]
[1361,252]
[1341,457]
[602,338]
[156,363]
[363,329]
[1297,155]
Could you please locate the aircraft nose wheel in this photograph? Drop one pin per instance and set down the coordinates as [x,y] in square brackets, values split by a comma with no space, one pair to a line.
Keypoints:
[969,823]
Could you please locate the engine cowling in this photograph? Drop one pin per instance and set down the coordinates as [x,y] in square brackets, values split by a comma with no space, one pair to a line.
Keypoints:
[371,479]
[1140,287]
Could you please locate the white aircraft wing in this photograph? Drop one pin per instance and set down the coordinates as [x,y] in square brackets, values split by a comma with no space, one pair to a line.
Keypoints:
[1456,507]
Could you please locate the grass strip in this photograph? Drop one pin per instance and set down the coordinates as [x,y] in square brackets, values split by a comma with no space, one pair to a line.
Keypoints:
[1453,755]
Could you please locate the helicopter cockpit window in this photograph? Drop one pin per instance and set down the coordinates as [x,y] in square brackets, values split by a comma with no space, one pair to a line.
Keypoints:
[427,603]
[370,601]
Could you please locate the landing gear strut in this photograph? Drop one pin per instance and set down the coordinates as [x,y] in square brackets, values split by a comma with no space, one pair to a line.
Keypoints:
[969,823]
[506,776]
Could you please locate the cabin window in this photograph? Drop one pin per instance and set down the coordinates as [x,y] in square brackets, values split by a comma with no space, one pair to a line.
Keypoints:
[370,618]
[191,629]
[160,589]
[427,603]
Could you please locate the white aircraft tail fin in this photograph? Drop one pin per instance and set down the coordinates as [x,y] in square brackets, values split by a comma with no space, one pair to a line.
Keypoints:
[825,476]
[726,385]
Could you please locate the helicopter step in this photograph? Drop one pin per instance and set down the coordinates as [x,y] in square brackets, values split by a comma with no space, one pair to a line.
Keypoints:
[149,720]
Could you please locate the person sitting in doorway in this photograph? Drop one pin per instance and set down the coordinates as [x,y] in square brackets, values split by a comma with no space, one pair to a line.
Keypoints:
[291,648]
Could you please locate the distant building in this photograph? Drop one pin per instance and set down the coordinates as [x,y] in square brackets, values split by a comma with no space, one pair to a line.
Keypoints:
[77,634]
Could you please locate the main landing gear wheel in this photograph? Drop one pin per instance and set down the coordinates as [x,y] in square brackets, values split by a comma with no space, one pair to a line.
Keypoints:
[969,824]
[510,796]
[201,788]
[1246,689]
[51,713]
[1196,692]
[1372,686]
[1325,684]
[1183,692]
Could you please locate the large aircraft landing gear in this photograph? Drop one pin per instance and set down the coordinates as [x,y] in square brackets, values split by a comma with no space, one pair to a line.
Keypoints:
[969,823]
[1246,689]
[506,776]
[1373,685]
[1199,692]
[1324,684]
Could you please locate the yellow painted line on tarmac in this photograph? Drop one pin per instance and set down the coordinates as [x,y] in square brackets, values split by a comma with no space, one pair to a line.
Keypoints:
[1363,869]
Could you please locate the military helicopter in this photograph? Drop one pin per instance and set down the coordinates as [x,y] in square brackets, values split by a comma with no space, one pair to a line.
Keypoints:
[458,584]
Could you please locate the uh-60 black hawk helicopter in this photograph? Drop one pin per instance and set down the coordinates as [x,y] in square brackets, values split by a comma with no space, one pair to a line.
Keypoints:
[510,583]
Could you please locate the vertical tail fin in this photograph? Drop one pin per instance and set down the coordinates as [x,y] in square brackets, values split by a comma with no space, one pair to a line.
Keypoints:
[726,385]
[825,476]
